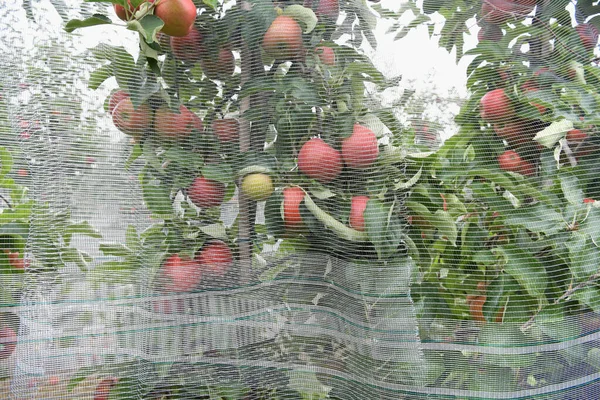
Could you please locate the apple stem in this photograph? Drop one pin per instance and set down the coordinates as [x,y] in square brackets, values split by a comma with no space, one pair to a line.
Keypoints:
[336,226]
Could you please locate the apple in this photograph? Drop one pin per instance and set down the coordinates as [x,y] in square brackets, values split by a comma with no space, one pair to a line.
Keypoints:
[495,106]
[257,187]
[358,205]
[516,133]
[490,32]
[121,13]
[221,68]
[215,258]
[14,260]
[292,198]
[7,348]
[178,16]
[510,160]
[226,129]
[319,161]
[206,193]
[588,34]
[103,389]
[496,11]
[172,125]
[168,306]
[181,274]
[326,55]
[22,172]
[132,121]
[527,168]
[187,48]
[115,99]
[576,136]
[326,8]
[360,150]
[531,87]
[283,39]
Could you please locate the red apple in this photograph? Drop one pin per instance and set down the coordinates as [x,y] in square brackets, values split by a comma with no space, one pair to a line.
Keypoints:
[226,129]
[588,34]
[131,121]
[181,274]
[292,198]
[510,160]
[187,48]
[172,125]
[215,258]
[178,16]
[358,206]
[283,39]
[206,193]
[490,32]
[319,161]
[8,347]
[121,13]
[326,55]
[103,389]
[517,132]
[15,260]
[221,68]
[576,136]
[496,11]
[360,150]
[495,106]
[115,99]
[326,8]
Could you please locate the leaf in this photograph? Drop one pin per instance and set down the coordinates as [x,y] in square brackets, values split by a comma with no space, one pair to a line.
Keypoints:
[114,249]
[505,335]
[494,293]
[148,27]
[591,225]
[552,134]
[98,76]
[72,255]
[96,19]
[211,3]
[218,172]
[411,182]
[526,269]
[571,189]
[376,223]
[445,225]
[81,228]
[6,161]
[304,15]
[537,218]
[217,231]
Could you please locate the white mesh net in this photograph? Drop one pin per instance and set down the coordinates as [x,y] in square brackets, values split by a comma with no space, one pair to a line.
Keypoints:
[209,199]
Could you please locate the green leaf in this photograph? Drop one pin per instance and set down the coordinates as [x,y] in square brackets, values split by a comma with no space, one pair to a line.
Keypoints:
[526,269]
[494,293]
[537,218]
[552,134]
[96,19]
[571,189]
[114,249]
[218,172]
[72,255]
[81,374]
[211,3]
[82,228]
[6,161]
[504,335]
[304,15]
[445,225]
[376,223]
[132,239]
[591,225]
[98,76]
[217,231]
[156,195]
[136,152]
[148,27]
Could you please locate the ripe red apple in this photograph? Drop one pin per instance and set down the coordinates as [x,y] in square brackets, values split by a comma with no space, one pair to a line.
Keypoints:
[326,55]
[7,348]
[292,197]
[257,187]
[14,260]
[358,205]
[517,132]
[495,106]
[283,39]
[226,129]
[178,16]
[496,11]
[221,68]
[181,274]
[326,8]
[131,121]
[187,48]
[510,160]
[103,389]
[121,13]
[588,34]
[527,168]
[115,99]
[171,125]
[576,136]
[206,193]
[360,150]
[319,161]
[215,258]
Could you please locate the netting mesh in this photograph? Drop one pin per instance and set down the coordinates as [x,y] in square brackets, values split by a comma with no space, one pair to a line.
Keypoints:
[229,200]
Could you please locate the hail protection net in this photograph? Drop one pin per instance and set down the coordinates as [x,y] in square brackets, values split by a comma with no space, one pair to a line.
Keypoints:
[248,199]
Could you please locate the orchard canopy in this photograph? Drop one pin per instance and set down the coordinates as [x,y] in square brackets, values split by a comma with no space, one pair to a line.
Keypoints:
[247,199]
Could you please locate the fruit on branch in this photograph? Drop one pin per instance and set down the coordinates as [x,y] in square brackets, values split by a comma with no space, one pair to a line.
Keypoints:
[360,150]
[476,304]
[326,55]
[172,125]
[7,348]
[576,136]
[326,8]
[319,161]
[292,198]
[221,68]
[206,193]
[358,205]
[103,389]
[499,11]
[215,258]
[495,106]
[122,13]
[510,160]
[516,133]
[531,87]
[588,34]
[181,273]
[226,129]
[490,32]
[115,99]
[15,260]
[257,187]
[178,16]
[283,39]
[132,121]
[187,48]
